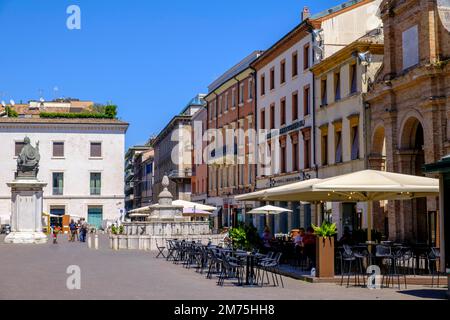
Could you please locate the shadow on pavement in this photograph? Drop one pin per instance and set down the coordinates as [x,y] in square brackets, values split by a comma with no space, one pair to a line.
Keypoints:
[427,293]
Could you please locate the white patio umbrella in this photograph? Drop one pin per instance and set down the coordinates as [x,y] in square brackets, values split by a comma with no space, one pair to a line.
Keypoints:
[372,185]
[195,205]
[196,211]
[268,210]
[302,191]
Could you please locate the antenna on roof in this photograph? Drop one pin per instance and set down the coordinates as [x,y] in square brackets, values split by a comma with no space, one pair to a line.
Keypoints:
[41,98]
[55,90]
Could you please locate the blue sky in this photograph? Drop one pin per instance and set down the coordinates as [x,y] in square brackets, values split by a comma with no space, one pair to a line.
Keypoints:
[150,57]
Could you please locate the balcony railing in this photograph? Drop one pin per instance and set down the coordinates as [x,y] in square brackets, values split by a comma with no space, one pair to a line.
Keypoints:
[95,191]
[57,191]
[187,173]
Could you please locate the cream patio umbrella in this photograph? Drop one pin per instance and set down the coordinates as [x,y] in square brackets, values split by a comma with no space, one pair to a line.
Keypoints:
[302,191]
[372,185]
[268,210]
[193,205]
[179,203]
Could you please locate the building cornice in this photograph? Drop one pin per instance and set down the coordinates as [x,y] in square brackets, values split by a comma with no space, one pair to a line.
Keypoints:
[289,40]
[404,81]
[64,127]
[345,54]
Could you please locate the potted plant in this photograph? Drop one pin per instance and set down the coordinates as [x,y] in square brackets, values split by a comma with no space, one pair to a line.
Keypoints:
[325,249]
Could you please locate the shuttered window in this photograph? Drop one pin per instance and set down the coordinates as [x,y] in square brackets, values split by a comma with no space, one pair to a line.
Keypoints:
[96,149]
[58,149]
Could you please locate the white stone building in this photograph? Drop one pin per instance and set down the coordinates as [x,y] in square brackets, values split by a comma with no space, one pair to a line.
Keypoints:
[81,162]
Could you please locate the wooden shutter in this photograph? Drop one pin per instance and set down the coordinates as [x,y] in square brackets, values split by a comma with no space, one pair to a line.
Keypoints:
[58,149]
[96,149]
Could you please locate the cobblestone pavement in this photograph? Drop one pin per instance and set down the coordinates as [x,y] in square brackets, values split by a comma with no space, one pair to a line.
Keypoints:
[39,272]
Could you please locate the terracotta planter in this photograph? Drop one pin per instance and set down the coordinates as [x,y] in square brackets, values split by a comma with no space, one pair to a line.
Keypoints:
[325,257]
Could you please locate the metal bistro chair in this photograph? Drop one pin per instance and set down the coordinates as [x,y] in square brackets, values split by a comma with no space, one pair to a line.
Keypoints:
[231,268]
[347,259]
[214,262]
[160,250]
[170,249]
[361,254]
[434,259]
[272,265]
[390,258]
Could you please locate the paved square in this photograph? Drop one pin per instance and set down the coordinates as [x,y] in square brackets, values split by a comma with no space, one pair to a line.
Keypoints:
[39,272]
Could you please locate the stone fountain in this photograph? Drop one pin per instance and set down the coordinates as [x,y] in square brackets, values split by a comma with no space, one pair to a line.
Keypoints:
[164,221]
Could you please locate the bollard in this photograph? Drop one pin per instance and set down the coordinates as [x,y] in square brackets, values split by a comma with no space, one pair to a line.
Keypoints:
[96,242]
[89,241]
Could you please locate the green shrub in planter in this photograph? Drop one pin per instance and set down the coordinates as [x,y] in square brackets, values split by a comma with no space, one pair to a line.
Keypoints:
[326,230]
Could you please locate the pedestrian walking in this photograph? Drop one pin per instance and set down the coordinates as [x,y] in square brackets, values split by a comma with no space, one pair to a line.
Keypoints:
[73,231]
[83,231]
[56,230]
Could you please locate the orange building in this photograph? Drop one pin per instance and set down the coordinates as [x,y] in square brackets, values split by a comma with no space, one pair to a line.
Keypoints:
[231,103]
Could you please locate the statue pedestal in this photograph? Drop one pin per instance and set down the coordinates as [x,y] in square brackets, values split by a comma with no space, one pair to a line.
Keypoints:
[26,220]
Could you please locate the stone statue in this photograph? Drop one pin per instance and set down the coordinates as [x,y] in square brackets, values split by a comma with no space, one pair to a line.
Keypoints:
[28,161]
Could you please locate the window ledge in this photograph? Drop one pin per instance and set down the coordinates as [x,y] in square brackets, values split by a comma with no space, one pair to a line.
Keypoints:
[295,77]
[58,158]
[95,158]
[241,104]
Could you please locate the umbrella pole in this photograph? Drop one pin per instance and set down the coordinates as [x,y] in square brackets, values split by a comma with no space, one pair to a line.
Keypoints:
[369,221]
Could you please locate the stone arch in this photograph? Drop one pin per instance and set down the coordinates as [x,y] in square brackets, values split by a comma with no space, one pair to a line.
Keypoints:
[377,157]
[378,140]
[412,122]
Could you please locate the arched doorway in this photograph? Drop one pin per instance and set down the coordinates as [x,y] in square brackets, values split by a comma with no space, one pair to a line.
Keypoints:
[378,151]
[377,161]
[412,161]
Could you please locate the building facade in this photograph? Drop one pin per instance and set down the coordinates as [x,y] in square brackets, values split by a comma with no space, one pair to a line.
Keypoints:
[285,99]
[341,118]
[409,106]
[231,119]
[199,164]
[135,174]
[81,162]
[173,152]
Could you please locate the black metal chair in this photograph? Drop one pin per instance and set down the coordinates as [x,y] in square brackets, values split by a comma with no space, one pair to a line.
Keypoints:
[434,259]
[271,265]
[160,250]
[231,268]
[347,259]
[170,249]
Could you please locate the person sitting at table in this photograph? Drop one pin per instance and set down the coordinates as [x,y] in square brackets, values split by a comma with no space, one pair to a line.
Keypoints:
[266,237]
[297,238]
[309,243]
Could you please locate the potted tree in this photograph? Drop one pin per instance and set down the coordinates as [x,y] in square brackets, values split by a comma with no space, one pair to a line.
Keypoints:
[325,249]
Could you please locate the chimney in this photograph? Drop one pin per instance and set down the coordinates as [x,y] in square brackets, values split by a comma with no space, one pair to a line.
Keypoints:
[305,13]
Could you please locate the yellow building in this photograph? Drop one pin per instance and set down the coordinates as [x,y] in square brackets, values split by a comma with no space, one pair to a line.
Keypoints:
[340,82]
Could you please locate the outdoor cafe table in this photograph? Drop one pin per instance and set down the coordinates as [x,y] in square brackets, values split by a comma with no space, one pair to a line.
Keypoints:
[250,279]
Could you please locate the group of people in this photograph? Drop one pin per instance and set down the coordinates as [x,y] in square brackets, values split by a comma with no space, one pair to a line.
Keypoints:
[304,243]
[78,231]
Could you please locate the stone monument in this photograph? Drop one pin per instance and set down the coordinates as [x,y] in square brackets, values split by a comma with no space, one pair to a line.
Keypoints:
[27,198]
[163,221]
